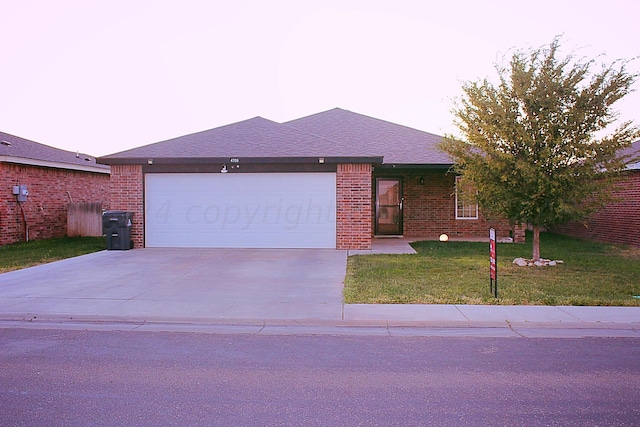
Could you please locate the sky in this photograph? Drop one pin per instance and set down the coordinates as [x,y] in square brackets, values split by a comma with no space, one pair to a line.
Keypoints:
[101,77]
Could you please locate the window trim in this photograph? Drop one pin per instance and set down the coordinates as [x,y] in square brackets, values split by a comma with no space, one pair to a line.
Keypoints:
[464,206]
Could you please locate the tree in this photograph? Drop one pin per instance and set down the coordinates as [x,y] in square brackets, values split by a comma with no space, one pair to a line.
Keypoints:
[532,145]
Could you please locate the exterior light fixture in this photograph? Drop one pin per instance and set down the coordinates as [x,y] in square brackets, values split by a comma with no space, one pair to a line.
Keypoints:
[224,169]
[150,161]
[421,180]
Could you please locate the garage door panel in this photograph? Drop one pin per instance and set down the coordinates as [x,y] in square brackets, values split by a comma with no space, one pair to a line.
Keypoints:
[295,210]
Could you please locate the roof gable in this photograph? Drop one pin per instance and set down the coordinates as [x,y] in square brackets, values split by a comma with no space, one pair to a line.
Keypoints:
[399,144]
[256,138]
[14,149]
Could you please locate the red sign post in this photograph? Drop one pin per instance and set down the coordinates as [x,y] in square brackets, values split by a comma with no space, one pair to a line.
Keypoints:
[493,264]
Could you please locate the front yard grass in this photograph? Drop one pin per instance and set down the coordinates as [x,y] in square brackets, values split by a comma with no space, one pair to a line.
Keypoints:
[27,254]
[594,274]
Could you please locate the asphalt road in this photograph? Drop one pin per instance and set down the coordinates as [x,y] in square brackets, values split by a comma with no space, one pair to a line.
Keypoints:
[93,378]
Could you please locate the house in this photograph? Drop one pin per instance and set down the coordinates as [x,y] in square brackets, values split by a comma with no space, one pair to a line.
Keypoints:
[335,179]
[619,221]
[38,182]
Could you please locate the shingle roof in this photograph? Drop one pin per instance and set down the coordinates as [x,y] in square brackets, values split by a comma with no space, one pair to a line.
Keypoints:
[252,138]
[399,144]
[337,134]
[19,150]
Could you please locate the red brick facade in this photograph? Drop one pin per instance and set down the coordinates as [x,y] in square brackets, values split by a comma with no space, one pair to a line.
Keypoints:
[50,192]
[429,206]
[619,222]
[353,211]
[127,195]
[429,209]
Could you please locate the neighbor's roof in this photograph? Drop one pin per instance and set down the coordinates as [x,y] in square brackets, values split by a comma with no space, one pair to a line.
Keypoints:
[14,149]
[336,135]
[633,151]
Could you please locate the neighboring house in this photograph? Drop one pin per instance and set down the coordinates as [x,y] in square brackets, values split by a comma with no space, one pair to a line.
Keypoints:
[335,179]
[618,222]
[47,180]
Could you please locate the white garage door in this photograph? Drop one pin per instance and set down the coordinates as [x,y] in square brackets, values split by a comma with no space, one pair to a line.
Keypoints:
[261,210]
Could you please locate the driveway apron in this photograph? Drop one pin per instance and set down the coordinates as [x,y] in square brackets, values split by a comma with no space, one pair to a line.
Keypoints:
[181,284]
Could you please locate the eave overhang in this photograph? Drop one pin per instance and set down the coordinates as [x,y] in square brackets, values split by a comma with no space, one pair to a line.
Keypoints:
[439,166]
[235,160]
[56,165]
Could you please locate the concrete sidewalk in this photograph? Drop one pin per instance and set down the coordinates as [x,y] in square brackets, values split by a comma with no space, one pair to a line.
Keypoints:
[494,320]
[485,314]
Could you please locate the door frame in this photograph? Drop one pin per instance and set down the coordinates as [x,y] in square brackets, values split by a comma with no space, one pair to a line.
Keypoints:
[400,230]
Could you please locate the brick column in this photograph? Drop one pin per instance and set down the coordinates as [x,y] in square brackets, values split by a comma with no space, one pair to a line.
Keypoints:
[126,195]
[353,212]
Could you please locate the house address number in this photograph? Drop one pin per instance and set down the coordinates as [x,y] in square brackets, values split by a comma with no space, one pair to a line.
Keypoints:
[234,160]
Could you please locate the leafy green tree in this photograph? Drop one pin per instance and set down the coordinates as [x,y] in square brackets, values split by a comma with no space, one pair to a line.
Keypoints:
[538,146]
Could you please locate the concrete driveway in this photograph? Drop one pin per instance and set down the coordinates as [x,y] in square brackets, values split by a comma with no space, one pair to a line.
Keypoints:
[181,285]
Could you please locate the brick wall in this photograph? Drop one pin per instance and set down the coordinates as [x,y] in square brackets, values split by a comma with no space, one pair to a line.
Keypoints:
[50,192]
[429,209]
[127,195]
[353,211]
[617,223]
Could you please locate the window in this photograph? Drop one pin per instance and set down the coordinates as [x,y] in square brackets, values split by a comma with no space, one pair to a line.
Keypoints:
[466,206]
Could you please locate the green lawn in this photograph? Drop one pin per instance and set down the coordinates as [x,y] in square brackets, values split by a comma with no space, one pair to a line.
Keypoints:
[458,273]
[27,254]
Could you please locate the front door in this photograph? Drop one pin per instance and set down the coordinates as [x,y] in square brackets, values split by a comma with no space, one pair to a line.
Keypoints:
[389,206]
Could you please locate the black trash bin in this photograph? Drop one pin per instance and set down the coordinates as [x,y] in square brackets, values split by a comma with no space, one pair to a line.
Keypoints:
[116,225]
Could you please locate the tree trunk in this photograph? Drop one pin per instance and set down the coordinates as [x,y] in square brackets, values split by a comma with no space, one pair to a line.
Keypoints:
[536,242]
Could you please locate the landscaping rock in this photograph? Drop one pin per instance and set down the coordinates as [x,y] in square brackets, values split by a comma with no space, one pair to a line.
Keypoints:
[521,262]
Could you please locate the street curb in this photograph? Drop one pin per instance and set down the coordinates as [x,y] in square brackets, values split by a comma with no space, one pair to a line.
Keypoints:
[312,327]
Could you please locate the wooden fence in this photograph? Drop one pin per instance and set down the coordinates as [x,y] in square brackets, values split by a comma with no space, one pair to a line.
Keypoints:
[84,219]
